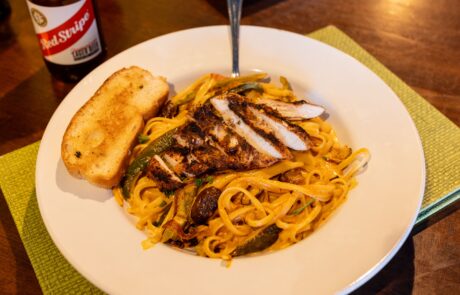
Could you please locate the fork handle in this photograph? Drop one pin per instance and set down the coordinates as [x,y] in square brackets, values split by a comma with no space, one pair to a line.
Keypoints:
[234,12]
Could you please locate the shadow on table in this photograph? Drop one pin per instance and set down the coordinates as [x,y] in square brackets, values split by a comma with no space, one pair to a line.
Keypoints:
[397,277]
[25,279]
[249,6]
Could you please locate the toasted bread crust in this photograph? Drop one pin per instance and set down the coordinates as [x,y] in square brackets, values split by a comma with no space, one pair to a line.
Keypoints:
[98,139]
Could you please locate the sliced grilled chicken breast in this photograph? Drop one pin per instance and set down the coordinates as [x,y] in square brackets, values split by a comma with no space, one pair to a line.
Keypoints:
[241,128]
[229,133]
[242,155]
[295,111]
[282,134]
[165,177]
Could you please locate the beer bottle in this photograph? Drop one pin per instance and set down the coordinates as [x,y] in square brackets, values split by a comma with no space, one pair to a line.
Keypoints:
[69,36]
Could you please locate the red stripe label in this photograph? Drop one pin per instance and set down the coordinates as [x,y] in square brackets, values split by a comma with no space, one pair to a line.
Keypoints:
[69,32]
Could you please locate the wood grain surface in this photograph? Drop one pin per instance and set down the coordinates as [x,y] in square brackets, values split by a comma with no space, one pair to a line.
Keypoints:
[419,40]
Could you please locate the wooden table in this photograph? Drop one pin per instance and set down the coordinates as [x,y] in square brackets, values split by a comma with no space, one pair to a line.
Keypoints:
[417,40]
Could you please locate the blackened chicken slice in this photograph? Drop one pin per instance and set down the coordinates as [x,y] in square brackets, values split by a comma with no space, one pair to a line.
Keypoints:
[179,160]
[180,156]
[294,111]
[291,135]
[282,134]
[190,136]
[201,160]
[194,153]
[237,124]
[241,155]
[214,159]
[166,179]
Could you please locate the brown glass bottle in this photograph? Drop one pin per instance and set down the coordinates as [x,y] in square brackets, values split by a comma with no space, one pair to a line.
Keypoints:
[69,34]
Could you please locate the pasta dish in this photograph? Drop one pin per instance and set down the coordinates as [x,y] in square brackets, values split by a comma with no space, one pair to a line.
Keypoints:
[235,166]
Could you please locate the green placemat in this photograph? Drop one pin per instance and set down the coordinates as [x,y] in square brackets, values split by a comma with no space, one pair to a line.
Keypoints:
[441,143]
[17,181]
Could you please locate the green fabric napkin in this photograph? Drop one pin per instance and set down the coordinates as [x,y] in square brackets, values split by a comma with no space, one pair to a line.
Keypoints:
[440,138]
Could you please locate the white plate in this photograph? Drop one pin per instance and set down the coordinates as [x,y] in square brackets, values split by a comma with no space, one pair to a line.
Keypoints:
[100,241]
